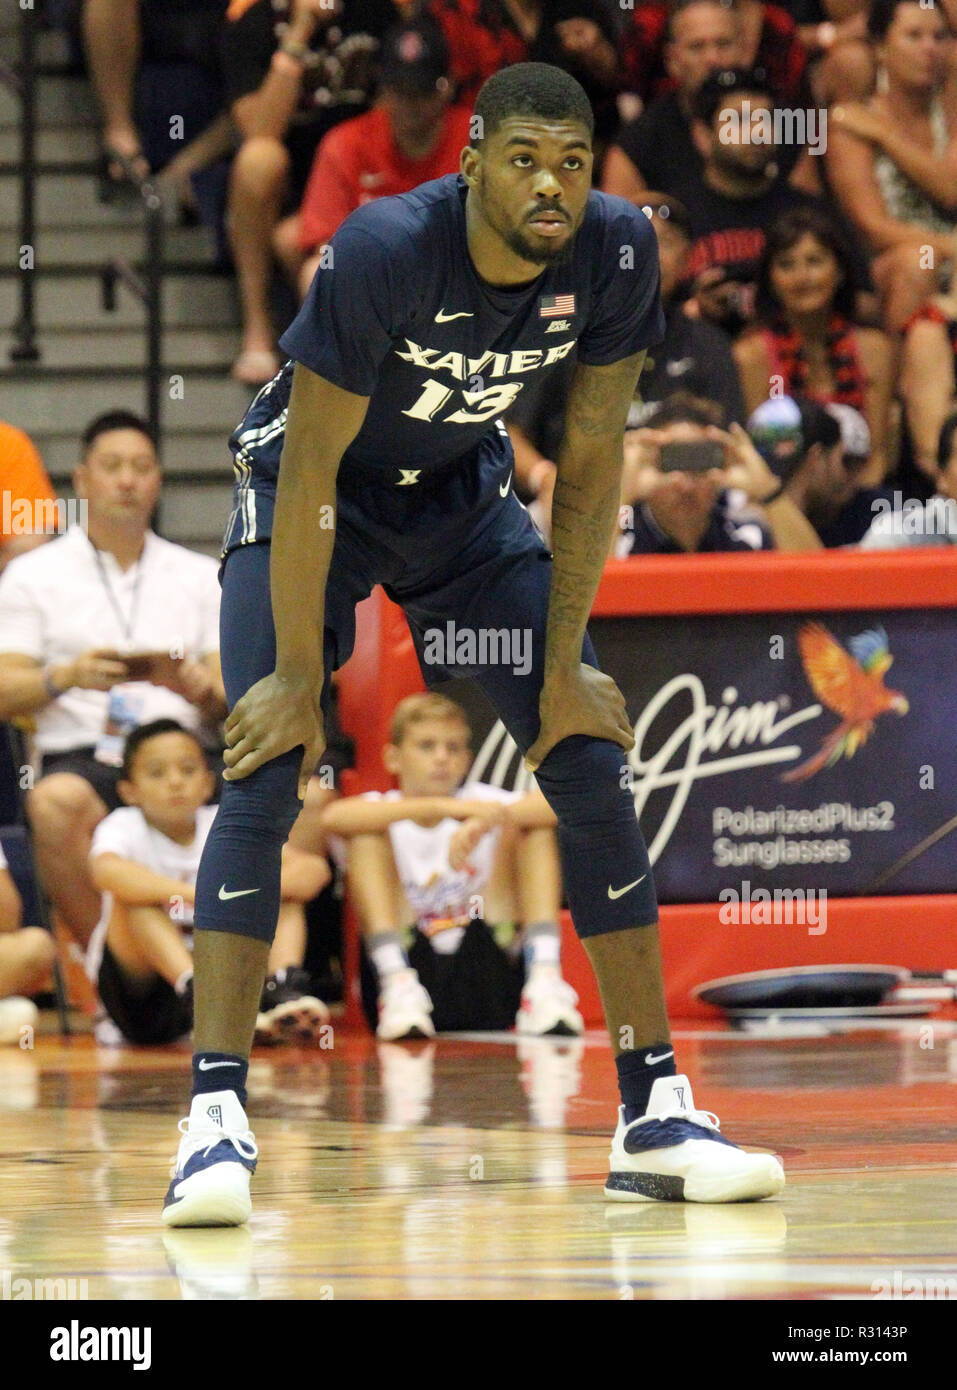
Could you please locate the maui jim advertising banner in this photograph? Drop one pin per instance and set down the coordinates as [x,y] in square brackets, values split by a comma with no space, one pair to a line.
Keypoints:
[786,749]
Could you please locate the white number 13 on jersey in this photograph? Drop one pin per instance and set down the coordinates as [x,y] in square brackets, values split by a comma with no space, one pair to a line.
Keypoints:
[492,401]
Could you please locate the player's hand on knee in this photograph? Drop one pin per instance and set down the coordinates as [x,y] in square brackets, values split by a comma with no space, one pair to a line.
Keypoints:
[273,716]
[583,701]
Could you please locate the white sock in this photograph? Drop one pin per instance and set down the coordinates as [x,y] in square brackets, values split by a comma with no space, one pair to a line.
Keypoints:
[387,954]
[541,946]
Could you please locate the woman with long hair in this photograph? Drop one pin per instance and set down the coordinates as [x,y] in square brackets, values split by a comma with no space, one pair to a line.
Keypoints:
[892,160]
[805,340]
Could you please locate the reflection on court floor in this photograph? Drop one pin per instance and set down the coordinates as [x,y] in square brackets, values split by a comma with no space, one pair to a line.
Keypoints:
[472,1168]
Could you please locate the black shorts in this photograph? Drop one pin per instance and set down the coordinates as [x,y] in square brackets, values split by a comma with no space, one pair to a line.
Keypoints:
[147,1012]
[302,142]
[101,776]
[476,989]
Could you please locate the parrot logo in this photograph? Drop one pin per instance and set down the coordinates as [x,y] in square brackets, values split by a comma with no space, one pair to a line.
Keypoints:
[849,683]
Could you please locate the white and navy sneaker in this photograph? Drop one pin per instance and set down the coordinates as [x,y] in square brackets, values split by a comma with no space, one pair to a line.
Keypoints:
[548,1007]
[288,1010]
[217,1156]
[675,1153]
[405,1009]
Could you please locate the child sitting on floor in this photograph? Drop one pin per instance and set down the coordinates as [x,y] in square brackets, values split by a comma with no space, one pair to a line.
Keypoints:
[144,859]
[453,859]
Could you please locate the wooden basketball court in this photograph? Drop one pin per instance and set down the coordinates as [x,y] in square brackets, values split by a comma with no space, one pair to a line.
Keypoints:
[472,1169]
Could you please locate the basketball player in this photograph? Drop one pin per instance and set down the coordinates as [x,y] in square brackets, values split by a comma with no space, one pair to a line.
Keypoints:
[430,313]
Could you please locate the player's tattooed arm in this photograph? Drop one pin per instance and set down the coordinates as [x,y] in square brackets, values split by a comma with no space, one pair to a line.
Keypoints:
[600,397]
[585,505]
[281,711]
[575,698]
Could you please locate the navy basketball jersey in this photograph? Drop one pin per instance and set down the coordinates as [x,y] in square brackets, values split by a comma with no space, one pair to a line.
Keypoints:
[399,314]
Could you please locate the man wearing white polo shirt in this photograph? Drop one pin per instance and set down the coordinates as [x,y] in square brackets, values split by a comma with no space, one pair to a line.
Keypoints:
[70,612]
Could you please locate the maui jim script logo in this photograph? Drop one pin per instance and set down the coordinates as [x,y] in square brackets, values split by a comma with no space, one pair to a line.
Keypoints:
[705,743]
[708,729]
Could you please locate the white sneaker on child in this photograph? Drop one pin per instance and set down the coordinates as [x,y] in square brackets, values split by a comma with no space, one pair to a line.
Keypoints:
[548,1006]
[15,1015]
[404,1008]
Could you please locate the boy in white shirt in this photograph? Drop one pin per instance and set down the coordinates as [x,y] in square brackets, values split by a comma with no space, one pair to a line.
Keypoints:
[26,956]
[453,859]
[144,859]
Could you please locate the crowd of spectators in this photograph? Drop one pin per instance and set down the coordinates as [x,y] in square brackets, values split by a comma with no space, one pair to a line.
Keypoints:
[798,162]
[860,95]
[799,165]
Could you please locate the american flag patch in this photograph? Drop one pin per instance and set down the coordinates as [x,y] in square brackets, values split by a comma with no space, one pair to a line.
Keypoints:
[553,306]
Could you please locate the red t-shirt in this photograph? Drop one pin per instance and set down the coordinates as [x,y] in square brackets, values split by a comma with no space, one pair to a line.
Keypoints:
[359,161]
[482,38]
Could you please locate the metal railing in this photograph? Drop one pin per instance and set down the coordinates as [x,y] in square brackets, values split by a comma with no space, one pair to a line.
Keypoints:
[147,284]
[23,84]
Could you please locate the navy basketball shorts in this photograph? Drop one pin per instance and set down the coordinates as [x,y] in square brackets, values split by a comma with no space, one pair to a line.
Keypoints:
[452,548]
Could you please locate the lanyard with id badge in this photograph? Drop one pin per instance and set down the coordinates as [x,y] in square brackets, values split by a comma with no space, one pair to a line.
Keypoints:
[125,703]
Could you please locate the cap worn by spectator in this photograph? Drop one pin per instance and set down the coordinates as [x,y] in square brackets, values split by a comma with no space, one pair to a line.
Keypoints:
[776,430]
[855,434]
[415,60]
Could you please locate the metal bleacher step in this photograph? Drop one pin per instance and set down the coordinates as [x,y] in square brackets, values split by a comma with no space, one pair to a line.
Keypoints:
[69,399]
[62,245]
[54,144]
[196,513]
[61,100]
[52,45]
[71,303]
[110,347]
[65,197]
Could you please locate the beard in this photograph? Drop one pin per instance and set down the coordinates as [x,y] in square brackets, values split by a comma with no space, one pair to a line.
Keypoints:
[545,254]
[540,252]
[724,157]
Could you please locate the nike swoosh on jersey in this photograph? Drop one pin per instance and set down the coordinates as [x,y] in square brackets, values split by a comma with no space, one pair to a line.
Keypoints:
[208,1066]
[504,488]
[443,317]
[239,893]
[614,893]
